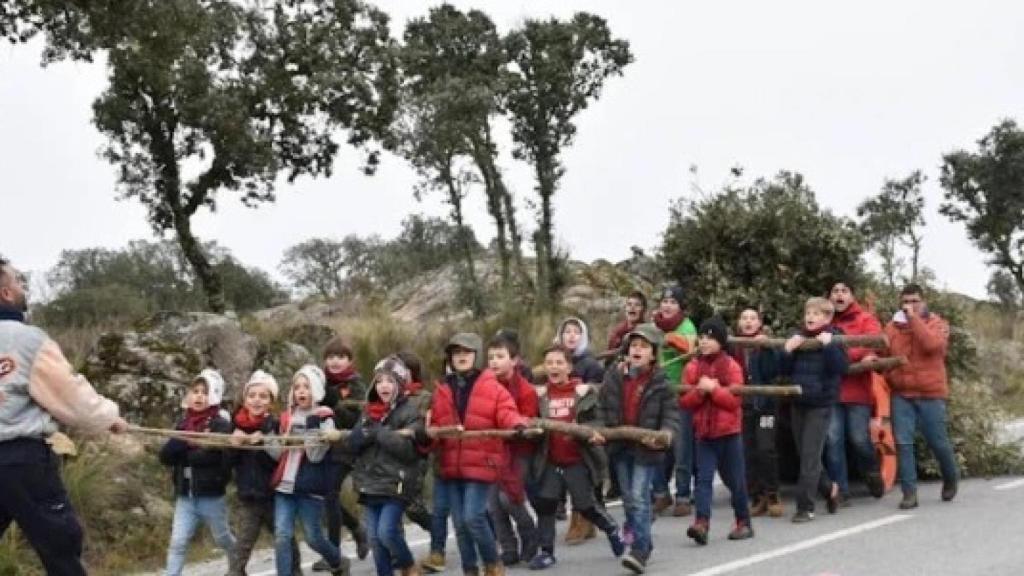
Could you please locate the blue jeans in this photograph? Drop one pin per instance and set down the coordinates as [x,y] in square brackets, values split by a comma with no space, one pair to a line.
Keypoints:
[310,512]
[636,481]
[473,532]
[725,455]
[189,512]
[383,521]
[849,423]
[439,515]
[680,460]
[928,414]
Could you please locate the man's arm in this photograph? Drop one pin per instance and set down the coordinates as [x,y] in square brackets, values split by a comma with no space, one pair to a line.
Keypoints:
[68,397]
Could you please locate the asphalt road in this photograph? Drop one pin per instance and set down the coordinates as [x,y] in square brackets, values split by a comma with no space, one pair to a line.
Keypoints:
[979,533]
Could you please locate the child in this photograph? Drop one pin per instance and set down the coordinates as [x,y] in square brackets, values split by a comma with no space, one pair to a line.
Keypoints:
[300,479]
[469,468]
[419,396]
[200,474]
[635,310]
[638,395]
[253,470]
[760,367]
[508,502]
[818,373]
[680,338]
[344,386]
[573,334]
[717,415]
[386,470]
[563,463]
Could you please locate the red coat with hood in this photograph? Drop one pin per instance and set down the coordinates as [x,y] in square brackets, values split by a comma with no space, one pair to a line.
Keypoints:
[855,321]
[490,406]
[719,413]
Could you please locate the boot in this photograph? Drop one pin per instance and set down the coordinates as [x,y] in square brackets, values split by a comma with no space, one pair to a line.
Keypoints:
[909,500]
[949,489]
[433,563]
[699,531]
[577,531]
[774,504]
[474,571]
[682,508]
[589,531]
[497,569]
[411,570]
[362,544]
[760,506]
[741,531]
[876,486]
[661,503]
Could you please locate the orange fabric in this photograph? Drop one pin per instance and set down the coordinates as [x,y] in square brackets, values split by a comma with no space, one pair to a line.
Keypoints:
[924,342]
[68,397]
[677,342]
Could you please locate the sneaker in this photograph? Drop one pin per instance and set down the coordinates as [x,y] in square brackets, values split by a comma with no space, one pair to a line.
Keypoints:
[433,563]
[699,532]
[321,565]
[510,558]
[612,494]
[635,562]
[342,569]
[949,489]
[909,501]
[741,531]
[661,503]
[775,508]
[682,508]
[876,486]
[542,561]
[802,516]
[617,544]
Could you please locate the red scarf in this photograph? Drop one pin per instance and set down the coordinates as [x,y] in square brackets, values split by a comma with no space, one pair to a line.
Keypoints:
[198,421]
[669,323]
[813,333]
[342,379]
[413,388]
[247,422]
[377,410]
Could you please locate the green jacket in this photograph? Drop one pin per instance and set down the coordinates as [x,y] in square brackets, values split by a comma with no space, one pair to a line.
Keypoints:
[674,371]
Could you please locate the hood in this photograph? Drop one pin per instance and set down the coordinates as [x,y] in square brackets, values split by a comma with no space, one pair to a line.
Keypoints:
[214,387]
[316,379]
[584,342]
[391,366]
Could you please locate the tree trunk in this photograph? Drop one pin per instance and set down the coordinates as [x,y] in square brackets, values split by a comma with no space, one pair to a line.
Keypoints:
[482,157]
[915,250]
[515,236]
[544,236]
[455,199]
[205,272]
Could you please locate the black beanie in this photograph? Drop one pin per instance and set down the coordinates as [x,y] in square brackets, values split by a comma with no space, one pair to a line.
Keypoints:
[714,327]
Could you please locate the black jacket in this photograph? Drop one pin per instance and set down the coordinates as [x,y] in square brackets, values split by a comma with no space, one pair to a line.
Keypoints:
[587,369]
[197,471]
[387,463]
[659,410]
[760,368]
[817,372]
[345,415]
[254,469]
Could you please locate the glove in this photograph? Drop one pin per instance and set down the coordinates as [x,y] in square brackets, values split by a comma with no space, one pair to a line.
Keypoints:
[678,343]
[520,432]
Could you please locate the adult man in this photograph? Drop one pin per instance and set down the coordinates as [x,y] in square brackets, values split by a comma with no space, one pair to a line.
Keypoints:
[852,415]
[919,391]
[38,390]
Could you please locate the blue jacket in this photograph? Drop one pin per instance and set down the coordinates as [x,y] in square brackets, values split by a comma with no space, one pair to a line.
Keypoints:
[760,368]
[818,372]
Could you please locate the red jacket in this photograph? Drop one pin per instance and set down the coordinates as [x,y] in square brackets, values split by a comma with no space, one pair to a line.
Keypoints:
[855,321]
[490,406]
[721,412]
[924,342]
[525,396]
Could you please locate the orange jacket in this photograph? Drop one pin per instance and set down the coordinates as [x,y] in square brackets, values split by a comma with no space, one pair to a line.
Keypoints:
[924,342]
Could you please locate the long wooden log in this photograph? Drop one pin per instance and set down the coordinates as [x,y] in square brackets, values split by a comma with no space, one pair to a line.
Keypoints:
[462,433]
[874,341]
[876,365]
[585,433]
[793,390]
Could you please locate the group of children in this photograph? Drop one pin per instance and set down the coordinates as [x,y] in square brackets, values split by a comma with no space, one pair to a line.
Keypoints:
[488,484]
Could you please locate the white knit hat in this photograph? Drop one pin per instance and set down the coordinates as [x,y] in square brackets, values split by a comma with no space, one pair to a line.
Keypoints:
[261,378]
[316,379]
[214,387]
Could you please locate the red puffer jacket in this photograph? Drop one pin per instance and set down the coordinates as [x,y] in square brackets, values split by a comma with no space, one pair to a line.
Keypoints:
[525,396]
[855,321]
[721,412]
[490,406]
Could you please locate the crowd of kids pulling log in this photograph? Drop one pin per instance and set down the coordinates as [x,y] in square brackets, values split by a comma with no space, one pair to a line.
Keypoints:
[506,447]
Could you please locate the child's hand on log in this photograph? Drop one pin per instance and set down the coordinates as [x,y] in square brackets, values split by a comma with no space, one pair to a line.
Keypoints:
[237,437]
[869,358]
[707,385]
[825,338]
[597,440]
[657,441]
[794,342]
[256,437]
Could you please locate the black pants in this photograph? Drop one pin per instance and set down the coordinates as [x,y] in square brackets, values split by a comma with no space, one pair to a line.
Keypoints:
[33,496]
[335,512]
[551,489]
[759,429]
[810,426]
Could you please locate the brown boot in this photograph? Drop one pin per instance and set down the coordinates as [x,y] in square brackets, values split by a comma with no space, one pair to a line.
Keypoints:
[497,569]
[589,530]
[774,503]
[433,563]
[412,570]
[682,508]
[662,503]
[575,534]
[760,507]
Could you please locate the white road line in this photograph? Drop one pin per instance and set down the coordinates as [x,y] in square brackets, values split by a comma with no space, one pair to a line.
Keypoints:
[1010,485]
[823,539]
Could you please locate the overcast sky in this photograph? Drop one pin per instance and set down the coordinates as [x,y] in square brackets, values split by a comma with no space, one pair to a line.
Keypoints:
[847,94]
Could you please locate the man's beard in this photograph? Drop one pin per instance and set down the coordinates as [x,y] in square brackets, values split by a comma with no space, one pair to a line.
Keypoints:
[22,303]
